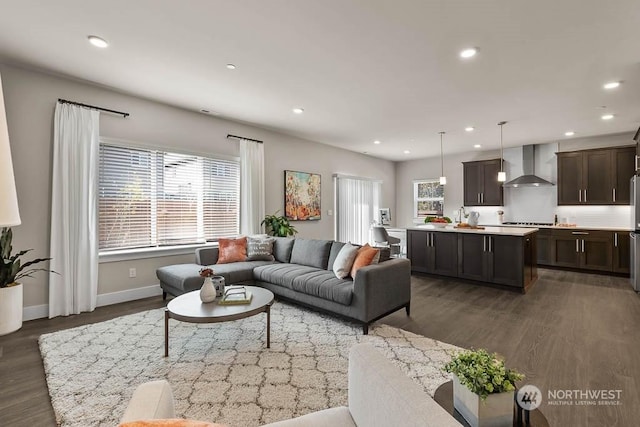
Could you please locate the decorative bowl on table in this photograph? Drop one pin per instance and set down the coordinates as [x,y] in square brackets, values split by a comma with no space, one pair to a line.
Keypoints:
[439,224]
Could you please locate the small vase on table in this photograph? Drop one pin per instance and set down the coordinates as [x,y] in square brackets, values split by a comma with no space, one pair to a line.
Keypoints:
[208,289]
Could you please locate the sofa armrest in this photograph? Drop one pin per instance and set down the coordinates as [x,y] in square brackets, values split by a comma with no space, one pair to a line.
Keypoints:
[207,255]
[380,288]
[380,394]
[151,400]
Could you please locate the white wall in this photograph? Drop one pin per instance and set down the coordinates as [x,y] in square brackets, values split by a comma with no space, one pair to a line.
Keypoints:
[535,204]
[30,98]
[429,168]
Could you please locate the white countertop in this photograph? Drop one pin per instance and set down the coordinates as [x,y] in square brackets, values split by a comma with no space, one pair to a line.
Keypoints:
[506,231]
[555,227]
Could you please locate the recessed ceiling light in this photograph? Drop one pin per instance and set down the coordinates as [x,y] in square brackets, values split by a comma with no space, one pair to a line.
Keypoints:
[469,128]
[231,66]
[569,133]
[407,152]
[98,42]
[376,142]
[607,117]
[477,146]
[468,53]
[298,110]
[611,85]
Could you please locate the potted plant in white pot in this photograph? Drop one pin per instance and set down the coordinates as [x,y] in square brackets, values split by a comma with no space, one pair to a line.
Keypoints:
[483,388]
[11,292]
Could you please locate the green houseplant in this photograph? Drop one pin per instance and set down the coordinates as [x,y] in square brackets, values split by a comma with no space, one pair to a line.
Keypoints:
[11,271]
[483,387]
[278,226]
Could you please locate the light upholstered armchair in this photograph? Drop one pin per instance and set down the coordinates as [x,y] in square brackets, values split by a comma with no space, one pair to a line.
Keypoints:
[381,237]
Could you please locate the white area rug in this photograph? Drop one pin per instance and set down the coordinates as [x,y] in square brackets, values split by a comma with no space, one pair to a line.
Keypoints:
[222,372]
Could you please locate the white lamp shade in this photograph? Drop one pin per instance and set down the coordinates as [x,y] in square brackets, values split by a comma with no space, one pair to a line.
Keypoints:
[502,176]
[9,213]
[443,180]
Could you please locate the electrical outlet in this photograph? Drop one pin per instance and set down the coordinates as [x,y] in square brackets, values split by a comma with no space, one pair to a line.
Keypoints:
[330,212]
[132,273]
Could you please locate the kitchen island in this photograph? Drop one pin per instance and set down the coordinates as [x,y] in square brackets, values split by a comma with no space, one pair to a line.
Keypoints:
[504,256]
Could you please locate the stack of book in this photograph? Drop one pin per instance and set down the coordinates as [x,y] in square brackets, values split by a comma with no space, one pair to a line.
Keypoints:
[235,295]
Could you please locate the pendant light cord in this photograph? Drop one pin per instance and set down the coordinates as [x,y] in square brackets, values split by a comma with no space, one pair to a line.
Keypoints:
[501,146]
[441,156]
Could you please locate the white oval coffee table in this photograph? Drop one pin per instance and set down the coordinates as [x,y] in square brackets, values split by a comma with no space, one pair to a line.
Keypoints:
[189,308]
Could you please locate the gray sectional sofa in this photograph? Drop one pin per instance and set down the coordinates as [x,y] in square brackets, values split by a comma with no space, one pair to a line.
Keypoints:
[302,272]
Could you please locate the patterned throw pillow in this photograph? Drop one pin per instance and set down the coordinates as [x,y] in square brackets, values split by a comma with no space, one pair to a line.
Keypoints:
[232,250]
[366,256]
[344,260]
[259,249]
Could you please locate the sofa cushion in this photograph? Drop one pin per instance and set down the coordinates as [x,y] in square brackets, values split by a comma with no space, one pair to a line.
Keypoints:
[232,250]
[324,284]
[334,417]
[281,274]
[311,252]
[333,254]
[186,277]
[174,422]
[282,247]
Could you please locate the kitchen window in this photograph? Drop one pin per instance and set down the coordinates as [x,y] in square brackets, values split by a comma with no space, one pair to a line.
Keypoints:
[152,198]
[428,198]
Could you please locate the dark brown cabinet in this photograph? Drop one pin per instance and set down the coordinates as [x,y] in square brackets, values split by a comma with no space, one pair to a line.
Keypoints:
[594,250]
[621,252]
[433,252]
[544,246]
[595,177]
[498,259]
[481,186]
[624,166]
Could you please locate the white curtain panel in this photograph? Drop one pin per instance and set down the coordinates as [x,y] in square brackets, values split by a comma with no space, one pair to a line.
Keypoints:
[74,211]
[251,186]
[357,203]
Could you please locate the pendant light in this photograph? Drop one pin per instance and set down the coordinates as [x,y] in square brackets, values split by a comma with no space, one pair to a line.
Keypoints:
[443,179]
[502,175]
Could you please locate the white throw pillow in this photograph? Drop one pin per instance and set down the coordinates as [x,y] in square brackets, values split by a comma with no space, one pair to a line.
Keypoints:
[344,261]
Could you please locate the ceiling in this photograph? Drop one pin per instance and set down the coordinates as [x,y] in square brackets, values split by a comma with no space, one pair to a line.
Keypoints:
[363,70]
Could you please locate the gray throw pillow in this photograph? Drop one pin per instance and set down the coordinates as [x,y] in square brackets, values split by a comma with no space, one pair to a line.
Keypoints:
[259,249]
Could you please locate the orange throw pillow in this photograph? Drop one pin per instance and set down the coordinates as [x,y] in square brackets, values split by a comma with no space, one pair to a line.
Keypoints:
[169,423]
[232,250]
[366,256]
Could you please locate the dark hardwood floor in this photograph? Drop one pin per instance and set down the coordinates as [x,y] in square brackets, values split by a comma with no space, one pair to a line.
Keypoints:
[572,331]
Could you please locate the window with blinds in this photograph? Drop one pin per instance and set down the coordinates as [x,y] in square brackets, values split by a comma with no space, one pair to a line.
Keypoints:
[150,198]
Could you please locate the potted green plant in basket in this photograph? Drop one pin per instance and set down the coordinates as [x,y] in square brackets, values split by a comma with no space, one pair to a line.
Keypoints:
[278,226]
[483,388]
[11,292]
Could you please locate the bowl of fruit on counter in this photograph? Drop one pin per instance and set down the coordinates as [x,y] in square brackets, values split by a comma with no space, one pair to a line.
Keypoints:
[438,221]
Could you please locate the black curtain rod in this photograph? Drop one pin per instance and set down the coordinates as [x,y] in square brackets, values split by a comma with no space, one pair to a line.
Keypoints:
[64,101]
[229,136]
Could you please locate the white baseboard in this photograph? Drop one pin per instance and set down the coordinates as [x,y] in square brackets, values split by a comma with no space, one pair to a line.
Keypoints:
[41,311]
[35,312]
[128,295]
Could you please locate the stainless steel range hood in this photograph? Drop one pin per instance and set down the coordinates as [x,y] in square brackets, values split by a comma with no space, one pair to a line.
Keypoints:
[528,178]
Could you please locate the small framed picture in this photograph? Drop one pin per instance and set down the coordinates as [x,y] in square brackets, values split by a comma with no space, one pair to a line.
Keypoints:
[385,216]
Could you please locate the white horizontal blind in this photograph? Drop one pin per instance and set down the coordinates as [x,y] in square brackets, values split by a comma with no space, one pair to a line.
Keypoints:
[154,198]
[357,201]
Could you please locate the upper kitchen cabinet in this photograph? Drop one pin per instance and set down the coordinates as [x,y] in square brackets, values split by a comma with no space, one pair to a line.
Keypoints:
[595,177]
[481,186]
